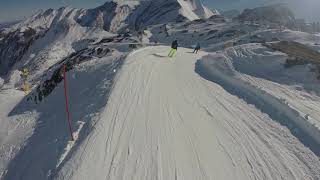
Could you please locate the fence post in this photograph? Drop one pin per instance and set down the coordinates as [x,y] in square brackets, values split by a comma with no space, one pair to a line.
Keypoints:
[67,100]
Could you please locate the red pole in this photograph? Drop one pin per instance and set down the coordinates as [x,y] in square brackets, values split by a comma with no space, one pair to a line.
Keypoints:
[67,101]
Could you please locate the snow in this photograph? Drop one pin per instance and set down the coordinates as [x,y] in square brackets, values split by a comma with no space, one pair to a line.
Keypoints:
[61,40]
[130,3]
[222,71]
[227,113]
[14,80]
[264,69]
[14,130]
[37,134]
[164,121]
[194,9]
[71,143]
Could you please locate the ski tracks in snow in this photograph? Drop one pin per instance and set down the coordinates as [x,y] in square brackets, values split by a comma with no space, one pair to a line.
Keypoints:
[163,121]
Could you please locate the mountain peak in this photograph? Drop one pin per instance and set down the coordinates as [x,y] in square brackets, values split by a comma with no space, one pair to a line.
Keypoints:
[120,14]
[279,13]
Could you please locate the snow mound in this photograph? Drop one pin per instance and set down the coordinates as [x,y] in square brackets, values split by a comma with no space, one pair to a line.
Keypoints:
[259,76]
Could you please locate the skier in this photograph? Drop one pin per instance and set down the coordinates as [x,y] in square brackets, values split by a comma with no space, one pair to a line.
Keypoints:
[197,48]
[174,47]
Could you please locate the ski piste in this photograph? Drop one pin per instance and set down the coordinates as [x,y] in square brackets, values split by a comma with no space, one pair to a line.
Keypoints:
[246,106]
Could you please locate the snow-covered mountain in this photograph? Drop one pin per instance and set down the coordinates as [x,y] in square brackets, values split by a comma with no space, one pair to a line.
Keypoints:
[279,14]
[8,24]
[119,14]
[245,107]
[49,30]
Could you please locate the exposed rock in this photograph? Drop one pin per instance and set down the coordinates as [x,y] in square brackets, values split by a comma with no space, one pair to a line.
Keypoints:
[46,87]
[217,19]
[13,46]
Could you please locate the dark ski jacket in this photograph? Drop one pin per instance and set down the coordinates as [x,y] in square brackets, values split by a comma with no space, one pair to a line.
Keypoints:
[174,44]
[198,46]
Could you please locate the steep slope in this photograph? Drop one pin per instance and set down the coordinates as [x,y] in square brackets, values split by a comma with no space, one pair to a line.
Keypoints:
[34,136]
[194,9]
[163,121]
[42,40]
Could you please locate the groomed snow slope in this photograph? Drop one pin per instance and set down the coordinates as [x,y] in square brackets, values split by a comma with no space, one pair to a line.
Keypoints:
[163,121]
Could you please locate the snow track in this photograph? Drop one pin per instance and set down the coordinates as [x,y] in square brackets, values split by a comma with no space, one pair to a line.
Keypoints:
[163,121]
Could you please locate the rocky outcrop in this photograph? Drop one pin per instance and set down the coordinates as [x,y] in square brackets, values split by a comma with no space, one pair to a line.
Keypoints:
[54,75]
[46,87]
[13,46]
[297,50]
[298,54]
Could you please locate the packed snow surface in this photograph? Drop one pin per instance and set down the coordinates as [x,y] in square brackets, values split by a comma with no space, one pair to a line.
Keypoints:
[164,121]
[233,111]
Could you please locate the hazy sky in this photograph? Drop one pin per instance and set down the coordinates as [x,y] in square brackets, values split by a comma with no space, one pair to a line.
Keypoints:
[15,9]
[308,9]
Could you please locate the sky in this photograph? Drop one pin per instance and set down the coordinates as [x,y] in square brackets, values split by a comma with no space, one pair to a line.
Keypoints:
[307,9]
[17,9]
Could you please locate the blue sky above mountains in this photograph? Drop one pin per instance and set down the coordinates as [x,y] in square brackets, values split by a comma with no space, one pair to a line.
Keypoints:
[15,9]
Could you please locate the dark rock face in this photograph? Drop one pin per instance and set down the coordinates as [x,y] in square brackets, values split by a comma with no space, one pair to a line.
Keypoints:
[13,46]
[297,50]
[45,88]
[217,19]
[98,50]
[230,33]
[212,32]
[100,17]
[299,54]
